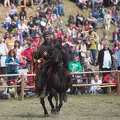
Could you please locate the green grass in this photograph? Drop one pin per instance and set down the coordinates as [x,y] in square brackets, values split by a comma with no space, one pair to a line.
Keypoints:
[86,107]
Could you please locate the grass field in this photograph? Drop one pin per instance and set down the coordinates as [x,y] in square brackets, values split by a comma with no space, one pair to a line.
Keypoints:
[86,107]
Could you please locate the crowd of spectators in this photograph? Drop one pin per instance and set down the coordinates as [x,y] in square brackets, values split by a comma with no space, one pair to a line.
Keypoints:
[79,37]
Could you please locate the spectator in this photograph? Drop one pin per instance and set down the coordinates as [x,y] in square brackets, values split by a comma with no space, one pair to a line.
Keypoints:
[75,65]
[101,44]
[23,29]
[6,2]
[23,13]
[93,47]
[82,4]
[72,53]
[12,11]
[31,25]
[7,21]
[60,6]
[117,56]
[105,59]
[3,54]
[12,26]
[11,90]
[10,41]
[12,64]
[79,19]
[115,46]
[3,91]
[92,20]
[116,35]
[110,78]
[27,54]
[96,89]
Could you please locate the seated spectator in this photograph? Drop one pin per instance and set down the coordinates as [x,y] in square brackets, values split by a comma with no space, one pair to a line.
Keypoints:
[3,90]
[110,78]
[6,3]
[23,13]
[102,12]
[11,90]
[71,20]
[75,65]
[31,25]
[95,14]
[12,64]
[82,4]
[27,3]
[79,19]
[12,11]
[60,6]
[92,20]
[105,37]
[7,21]
[96,89]
[12,26]
[23,29]
[18,36]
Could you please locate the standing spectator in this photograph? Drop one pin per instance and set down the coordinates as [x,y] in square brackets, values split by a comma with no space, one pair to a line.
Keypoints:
[105,60]
[93,47]
[3,54]
[75,65]
[96,89]
[12,64]
[116,35]
[10,41]
[117,54]
[28,54]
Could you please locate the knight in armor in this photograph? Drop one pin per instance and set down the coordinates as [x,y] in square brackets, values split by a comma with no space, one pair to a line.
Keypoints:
[45,60]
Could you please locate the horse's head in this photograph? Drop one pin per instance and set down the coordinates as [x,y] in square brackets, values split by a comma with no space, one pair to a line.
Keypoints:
[57,57]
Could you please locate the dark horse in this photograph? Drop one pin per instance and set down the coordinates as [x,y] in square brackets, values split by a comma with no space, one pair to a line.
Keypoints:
[57,83]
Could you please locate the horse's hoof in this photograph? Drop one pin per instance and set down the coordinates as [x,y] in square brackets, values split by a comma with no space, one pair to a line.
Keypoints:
[46,115]
[55,111]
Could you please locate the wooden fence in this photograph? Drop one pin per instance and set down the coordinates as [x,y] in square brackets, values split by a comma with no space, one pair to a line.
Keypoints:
[109,85]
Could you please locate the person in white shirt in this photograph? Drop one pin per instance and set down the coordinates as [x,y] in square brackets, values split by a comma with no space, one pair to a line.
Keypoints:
[96,88]
[23,29]
[3,53]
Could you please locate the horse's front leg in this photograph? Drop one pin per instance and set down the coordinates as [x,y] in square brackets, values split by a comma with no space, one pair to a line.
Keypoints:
[44,108]
[56,110]
[51,103]
[61,100]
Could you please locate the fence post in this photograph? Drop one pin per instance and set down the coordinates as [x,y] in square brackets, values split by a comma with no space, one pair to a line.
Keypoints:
[118,82]
[22,88]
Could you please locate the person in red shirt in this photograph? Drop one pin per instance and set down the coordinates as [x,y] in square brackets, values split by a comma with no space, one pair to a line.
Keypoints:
[27,54]
[110,78]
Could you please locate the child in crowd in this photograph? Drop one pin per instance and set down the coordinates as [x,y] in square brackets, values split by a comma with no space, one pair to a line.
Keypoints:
[23,13]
